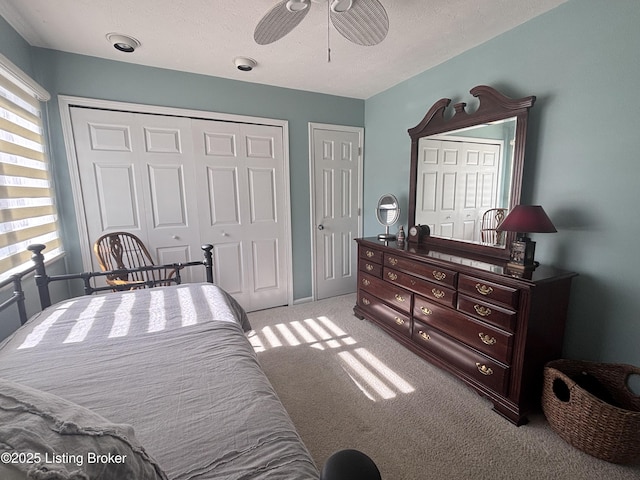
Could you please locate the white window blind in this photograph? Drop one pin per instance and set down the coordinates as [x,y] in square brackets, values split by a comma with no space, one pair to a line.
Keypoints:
[27,207]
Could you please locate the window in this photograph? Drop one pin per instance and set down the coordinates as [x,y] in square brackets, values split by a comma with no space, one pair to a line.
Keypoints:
[27,207]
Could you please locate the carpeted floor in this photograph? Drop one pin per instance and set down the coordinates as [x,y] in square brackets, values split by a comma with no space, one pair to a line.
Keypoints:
[346,384]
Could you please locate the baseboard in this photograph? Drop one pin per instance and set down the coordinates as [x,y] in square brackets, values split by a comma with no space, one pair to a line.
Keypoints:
[303,300]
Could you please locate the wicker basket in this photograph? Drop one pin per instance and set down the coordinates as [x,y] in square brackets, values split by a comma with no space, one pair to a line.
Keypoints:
[584,420]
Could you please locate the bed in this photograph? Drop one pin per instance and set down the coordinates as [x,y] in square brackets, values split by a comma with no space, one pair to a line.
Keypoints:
[148,383]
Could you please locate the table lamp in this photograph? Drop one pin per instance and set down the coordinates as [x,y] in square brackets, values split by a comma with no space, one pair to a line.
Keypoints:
[524,219]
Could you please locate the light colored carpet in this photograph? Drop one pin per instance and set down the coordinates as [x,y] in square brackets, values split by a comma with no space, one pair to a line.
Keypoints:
[346,384]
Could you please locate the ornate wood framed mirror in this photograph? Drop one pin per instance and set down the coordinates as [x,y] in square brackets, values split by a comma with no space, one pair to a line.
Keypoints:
[468,167]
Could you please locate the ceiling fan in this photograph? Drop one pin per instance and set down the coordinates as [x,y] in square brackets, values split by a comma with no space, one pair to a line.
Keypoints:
[363,22]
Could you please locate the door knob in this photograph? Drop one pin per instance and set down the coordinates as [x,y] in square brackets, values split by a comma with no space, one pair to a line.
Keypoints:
[320,227]
[175,237]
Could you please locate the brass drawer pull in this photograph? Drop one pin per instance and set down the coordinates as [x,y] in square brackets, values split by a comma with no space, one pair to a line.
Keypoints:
[439,275]
[366,282]
[437,293]
[393,261]
[399,297]
[486,339]
[366,301]
[483,369]
[482,311]
[483,289]
[369,267]
[426,311]
[424,335]
[370,253]
[399,321]
[392,275]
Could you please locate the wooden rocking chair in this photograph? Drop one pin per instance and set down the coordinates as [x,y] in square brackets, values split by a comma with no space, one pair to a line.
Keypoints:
[491,219]
[123,250]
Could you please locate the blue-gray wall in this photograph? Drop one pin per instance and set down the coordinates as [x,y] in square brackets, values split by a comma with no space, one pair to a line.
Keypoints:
[14,47]
[582,61]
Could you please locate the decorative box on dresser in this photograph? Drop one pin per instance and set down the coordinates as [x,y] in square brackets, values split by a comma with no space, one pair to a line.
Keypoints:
[492,328]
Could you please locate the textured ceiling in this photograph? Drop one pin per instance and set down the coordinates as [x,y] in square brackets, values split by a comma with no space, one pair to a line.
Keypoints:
[204,36]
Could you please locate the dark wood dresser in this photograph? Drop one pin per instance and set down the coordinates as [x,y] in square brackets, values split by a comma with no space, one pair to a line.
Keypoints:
[491,328]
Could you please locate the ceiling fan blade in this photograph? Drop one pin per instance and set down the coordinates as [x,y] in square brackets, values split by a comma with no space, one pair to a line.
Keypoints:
[365,23]
[277,23]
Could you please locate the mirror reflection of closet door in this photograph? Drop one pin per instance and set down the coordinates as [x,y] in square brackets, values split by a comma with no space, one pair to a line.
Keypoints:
[457,181]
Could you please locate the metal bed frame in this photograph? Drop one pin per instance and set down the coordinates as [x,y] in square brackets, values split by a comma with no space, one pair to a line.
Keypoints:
[43,280]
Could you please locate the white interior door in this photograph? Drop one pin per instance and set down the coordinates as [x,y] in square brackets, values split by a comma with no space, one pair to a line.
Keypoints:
[458,181]
[241,185]
[336,166]
[136,172]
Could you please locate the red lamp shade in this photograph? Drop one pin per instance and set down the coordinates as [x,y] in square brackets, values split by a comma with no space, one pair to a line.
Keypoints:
[527,219]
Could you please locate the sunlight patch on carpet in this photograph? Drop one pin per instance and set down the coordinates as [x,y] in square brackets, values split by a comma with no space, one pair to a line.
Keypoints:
[271,337]
[356,367]
[306,335]
[372,376]
[383,370]
[315,326]
[287,334]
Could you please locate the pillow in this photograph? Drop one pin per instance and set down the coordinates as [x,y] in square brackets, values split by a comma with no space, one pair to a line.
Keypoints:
[44,437]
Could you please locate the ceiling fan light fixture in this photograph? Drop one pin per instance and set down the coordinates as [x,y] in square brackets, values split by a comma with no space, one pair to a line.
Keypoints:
[297,5]
[341,6]
[363,22]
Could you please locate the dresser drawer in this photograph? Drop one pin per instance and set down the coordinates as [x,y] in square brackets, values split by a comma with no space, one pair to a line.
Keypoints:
[472,364]
[489,291]
[370,267]
[488,312]
[365,281]
[490,340]
[424,309]
[370,254]
[426,271]
[440,294]
[437,293]
[384,314]
[392,294]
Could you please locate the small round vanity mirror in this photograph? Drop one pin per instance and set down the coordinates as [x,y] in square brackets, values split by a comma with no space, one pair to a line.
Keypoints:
[388,212]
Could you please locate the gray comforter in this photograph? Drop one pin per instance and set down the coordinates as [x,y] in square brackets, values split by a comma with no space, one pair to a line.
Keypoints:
[174,363]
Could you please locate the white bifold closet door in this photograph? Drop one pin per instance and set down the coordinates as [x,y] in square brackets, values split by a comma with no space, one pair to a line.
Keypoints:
[240,186]
[178,182]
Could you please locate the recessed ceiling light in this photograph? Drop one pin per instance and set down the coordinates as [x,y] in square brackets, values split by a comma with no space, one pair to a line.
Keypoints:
[244,64]
[123,43]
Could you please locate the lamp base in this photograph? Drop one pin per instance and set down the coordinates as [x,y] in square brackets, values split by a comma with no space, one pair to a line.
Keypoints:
[522,254]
